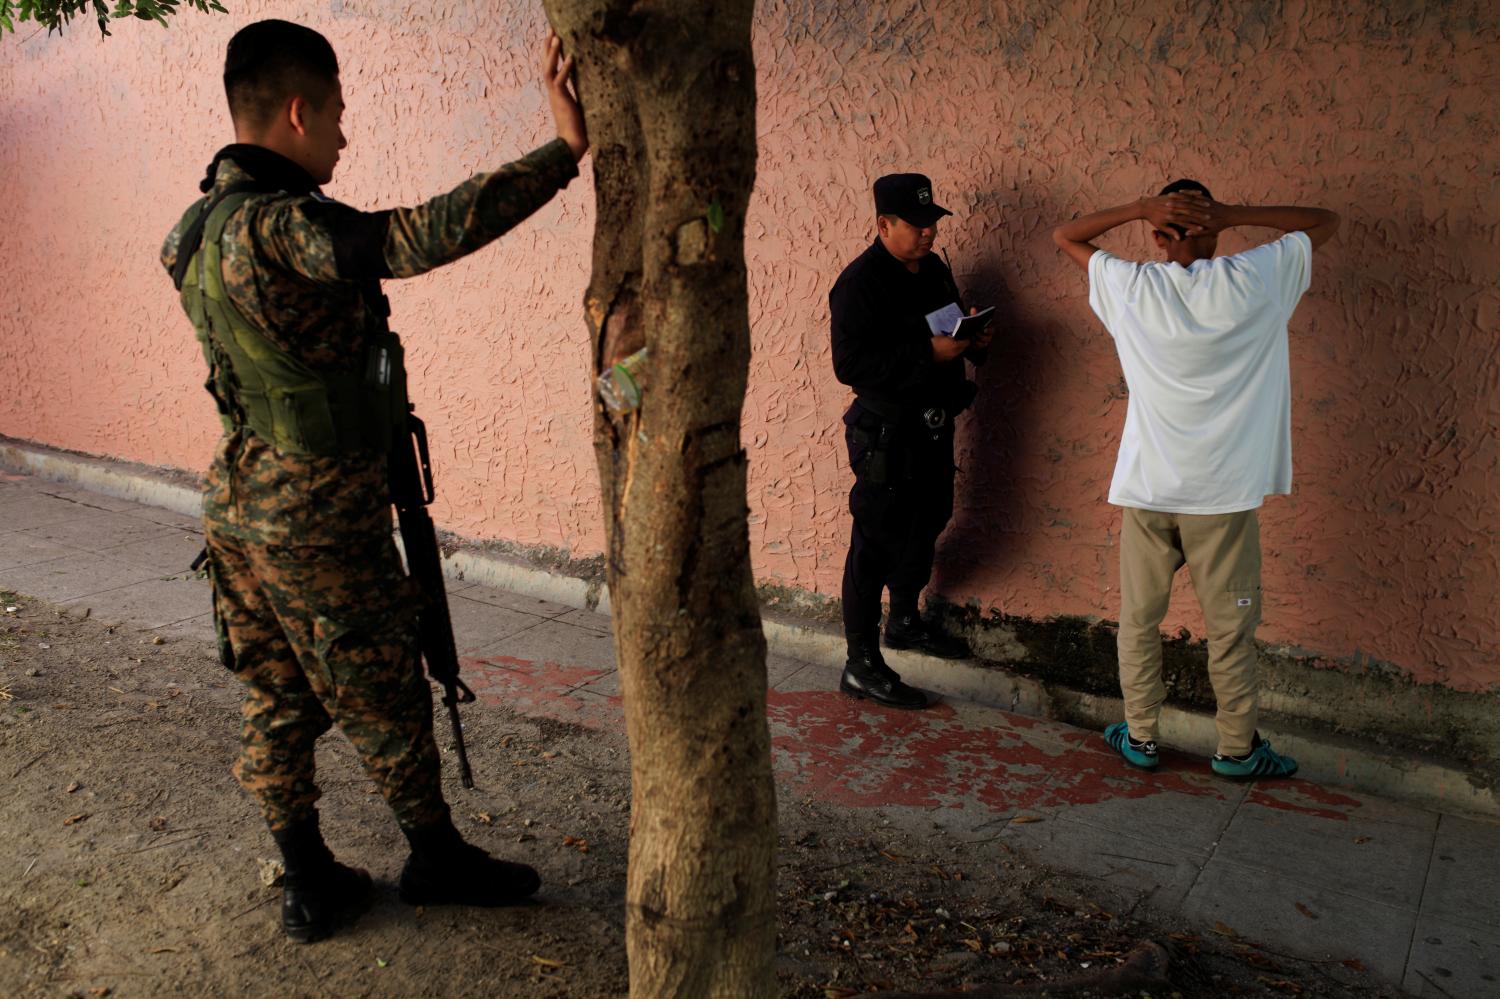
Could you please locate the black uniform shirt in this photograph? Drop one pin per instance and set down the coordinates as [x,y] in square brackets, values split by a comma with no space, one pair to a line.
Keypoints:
[882,345]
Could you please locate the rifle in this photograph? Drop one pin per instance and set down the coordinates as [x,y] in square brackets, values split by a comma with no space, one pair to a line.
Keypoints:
[411,491]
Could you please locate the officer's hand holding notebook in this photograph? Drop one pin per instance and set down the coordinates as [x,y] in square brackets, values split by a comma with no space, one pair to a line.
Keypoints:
[974,324]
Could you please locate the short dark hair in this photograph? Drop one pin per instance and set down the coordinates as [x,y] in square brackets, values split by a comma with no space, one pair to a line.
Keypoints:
[269,61]
[1184,185]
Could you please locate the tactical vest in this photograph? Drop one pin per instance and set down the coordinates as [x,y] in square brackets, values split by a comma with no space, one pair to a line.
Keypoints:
[262,388]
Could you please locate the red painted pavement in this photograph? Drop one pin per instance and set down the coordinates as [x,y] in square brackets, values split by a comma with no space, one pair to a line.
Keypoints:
[861,755]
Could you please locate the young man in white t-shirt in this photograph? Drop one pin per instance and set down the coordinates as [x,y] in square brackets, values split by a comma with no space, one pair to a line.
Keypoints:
[1203,344]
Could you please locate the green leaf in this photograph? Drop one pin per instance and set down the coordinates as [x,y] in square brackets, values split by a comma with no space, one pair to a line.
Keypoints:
[716,217]
[382,962]
[58,15]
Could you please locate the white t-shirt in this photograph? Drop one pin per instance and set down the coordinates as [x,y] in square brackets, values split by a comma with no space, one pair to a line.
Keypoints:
[1204,348]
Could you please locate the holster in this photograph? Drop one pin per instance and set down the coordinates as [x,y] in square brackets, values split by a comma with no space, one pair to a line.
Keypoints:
[890,446]
[881,463]
[880,446]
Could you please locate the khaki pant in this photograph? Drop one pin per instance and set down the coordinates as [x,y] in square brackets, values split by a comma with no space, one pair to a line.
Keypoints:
[1222,551]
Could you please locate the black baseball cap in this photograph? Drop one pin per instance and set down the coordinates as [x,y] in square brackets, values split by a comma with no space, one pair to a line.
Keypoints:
[908,196]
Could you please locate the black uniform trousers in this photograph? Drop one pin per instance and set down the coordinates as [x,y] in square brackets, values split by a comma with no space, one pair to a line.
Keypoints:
[897,520]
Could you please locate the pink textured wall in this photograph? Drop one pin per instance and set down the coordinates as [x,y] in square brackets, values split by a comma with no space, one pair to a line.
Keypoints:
[1023,113]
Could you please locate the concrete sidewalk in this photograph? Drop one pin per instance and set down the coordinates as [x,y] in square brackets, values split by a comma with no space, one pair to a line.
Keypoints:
[1412,894]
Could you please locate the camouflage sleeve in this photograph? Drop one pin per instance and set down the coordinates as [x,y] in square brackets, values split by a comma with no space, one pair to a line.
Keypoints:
[476,212]
[169,248]
[299,235]
[328,242]
[174,238]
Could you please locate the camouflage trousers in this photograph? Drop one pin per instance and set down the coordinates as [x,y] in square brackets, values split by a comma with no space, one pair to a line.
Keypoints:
[321,635]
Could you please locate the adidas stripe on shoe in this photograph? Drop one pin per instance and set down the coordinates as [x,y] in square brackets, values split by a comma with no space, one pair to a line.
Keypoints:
[1261,762]
[1137,754]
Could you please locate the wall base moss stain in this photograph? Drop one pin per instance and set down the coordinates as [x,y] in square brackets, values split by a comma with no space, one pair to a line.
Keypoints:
[1360,697]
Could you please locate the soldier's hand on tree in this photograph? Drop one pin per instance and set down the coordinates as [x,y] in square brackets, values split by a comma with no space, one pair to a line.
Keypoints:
[945,348]
[557,75]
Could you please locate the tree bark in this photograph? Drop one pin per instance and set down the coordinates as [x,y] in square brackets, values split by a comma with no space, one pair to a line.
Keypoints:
[668,90]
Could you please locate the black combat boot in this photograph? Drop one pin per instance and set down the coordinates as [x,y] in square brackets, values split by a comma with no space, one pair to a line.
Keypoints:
[907,630]
[444,870]
[866,676]
[317,892]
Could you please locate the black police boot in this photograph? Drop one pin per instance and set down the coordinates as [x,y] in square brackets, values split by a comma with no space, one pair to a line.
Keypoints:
[444,870]
[317,892]
[909,631]
[867,677]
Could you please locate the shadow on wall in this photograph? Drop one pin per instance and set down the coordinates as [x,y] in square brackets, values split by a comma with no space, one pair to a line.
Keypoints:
[995,493]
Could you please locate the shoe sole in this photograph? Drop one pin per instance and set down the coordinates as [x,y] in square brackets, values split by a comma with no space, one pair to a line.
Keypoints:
[1247,778]
[306,934]
[412,896]
[415,900]
[860,695]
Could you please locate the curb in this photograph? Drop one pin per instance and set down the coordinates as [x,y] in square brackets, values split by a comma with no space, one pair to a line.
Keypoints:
[134,483]
[1335,761]
[527,580]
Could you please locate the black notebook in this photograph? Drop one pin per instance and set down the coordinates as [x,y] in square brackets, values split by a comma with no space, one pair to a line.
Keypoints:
[970,325]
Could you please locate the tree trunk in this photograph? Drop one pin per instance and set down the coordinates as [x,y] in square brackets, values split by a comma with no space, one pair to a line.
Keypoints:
[668,89]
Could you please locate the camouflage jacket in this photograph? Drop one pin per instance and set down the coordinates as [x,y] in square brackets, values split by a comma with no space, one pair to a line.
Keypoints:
[295,264]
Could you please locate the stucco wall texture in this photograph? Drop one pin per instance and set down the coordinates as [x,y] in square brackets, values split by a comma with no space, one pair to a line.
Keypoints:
[1023,113]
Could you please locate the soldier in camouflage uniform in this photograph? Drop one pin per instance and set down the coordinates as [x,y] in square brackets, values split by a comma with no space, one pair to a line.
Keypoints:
[316,615]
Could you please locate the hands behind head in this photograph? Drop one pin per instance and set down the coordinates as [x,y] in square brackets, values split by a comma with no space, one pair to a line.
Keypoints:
[1194,213]
[557,75]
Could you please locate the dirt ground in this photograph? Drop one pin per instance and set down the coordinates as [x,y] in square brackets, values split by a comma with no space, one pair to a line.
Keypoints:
[133,862]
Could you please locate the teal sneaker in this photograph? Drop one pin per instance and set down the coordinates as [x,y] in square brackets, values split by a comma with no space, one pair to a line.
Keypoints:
[1137,754]
[1261,762]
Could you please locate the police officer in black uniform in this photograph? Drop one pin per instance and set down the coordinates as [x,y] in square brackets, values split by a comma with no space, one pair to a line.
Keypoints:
[892,309]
